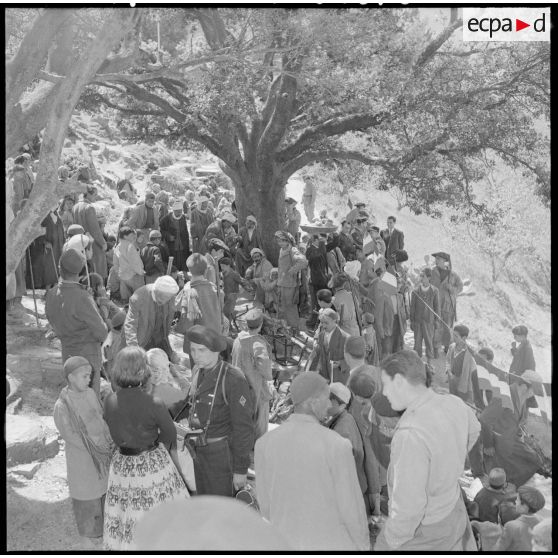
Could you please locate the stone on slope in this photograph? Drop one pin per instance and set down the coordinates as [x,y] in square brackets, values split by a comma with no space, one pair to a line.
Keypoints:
[29,439]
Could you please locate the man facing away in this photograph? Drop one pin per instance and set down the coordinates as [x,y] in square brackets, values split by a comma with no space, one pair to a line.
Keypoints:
[428,450]
[302,457]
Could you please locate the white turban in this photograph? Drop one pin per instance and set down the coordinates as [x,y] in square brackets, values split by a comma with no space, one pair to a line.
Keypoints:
[78,242]
[165,285]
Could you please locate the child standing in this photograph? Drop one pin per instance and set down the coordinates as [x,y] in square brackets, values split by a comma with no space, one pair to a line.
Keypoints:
[516,535]
[79,419]
[231,281]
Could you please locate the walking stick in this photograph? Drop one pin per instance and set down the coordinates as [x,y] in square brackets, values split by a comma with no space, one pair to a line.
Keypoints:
[169,266]
[33,287]
[54,264]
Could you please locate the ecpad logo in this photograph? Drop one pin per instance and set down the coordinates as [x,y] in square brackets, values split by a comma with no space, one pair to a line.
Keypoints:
[506,24]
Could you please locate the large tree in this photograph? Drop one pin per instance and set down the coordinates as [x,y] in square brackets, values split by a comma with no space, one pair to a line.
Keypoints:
[271,91]
[51,43]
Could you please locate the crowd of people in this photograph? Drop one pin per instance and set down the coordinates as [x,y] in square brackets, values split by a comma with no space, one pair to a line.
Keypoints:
[369,444]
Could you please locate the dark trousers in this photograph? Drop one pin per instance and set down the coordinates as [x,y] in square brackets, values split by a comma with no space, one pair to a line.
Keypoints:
[424,332]
[476,459]
[213,469]
[313,320]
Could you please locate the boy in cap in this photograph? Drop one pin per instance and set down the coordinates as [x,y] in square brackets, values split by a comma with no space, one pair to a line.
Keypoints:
[220,403]
[251,353]
[78,416]
[516,535]
[74,316]
[495,491]
[249,240]
[152,259]
[303,457]
[174,230]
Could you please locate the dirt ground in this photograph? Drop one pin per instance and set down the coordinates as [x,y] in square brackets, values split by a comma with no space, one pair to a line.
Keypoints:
[39,510]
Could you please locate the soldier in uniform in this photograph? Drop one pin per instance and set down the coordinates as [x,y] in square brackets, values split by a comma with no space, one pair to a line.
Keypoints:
[220,404]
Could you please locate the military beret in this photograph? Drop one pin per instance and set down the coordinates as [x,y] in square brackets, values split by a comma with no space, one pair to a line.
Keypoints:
[307,385]
[355,346]
[74,363]
[75,229]
[254,318]
[72,261]
[207,337]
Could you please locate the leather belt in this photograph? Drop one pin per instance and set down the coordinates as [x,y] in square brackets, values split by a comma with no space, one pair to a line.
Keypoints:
[136,451]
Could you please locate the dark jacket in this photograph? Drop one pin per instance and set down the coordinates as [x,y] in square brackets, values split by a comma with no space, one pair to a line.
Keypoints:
[232,417]
[76,320]
[489,499]
[152,260]
[347,246]
[168,232]
[419,311]
[317,264]
[394,241]
[523,358]
[138,217]
[321,356]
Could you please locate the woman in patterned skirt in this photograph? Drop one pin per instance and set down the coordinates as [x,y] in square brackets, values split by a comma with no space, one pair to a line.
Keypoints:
[143,471]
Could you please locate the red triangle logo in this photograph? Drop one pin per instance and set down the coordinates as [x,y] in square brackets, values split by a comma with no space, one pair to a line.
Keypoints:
[519,25]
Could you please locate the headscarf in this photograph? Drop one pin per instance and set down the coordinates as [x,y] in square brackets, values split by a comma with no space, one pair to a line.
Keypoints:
[160,367]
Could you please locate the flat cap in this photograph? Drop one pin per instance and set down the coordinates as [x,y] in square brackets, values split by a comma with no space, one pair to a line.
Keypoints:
[307,385]
[72,261]
[73,363]
[207,337]
[254,318]
[341,391]
[355,346]
[75,229]
[443,255]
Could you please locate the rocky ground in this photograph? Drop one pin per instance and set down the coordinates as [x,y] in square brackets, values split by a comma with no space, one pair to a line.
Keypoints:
[39,512]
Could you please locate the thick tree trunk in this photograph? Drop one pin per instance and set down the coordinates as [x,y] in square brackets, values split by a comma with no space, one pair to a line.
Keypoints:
[46,192]
[267,204]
